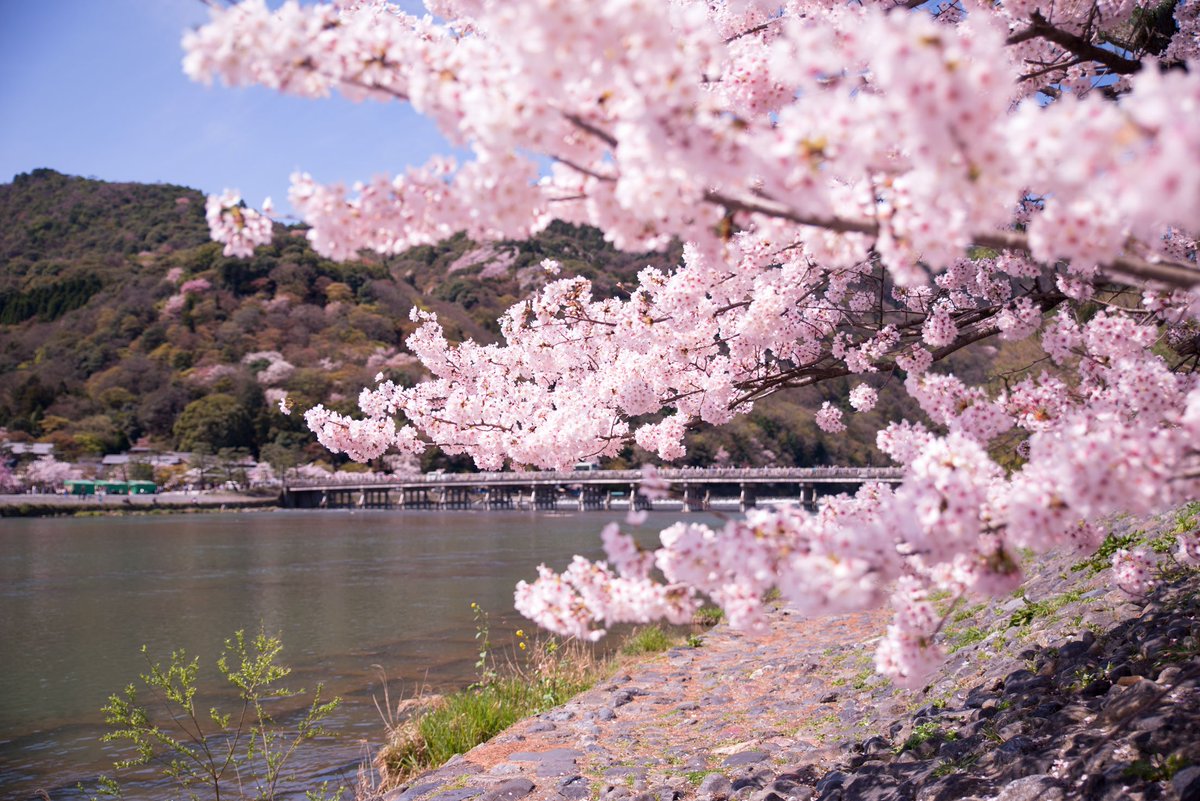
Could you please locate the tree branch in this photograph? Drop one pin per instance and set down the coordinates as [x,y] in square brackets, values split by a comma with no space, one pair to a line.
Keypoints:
[1040,28]
[1169,273]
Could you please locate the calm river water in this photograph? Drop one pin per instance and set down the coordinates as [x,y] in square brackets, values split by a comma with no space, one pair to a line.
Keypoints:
[346,591]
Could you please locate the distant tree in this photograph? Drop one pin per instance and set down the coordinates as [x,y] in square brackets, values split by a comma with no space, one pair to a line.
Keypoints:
[8,479]
[46,473]
[281,457]
[218,421]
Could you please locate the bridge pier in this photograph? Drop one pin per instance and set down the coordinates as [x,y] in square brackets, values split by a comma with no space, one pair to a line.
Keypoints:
[376,499]
[692,500]
[808,496]
[455,498]
[416,498]
[499,498]
[545,496]
[746,497]
[591,498]
[638,501]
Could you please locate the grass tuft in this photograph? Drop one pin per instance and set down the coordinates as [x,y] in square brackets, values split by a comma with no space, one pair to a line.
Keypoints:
[648,640]
[548,674]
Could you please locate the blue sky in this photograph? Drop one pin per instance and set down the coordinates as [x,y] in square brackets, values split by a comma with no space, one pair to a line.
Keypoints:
[95,88]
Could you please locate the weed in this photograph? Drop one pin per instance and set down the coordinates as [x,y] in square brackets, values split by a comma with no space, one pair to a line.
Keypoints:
[695,777]
[970,636]
[1102,558]
[242,751]
[552,674]
[862,678]
[647,640]
[969,612]
[484,669]
[708,616]
[1036,609]
[949,766]
[1156,769]
[923,733]
[1084,676]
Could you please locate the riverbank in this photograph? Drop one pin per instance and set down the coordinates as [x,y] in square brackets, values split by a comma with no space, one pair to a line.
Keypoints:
[1068,690]
[27,505]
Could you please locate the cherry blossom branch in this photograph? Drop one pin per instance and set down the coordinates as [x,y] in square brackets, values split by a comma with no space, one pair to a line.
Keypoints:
[1040,28]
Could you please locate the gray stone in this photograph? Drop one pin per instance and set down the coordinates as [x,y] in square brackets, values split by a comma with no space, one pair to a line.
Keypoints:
[539,726]
[744,758]
[605,713]
[1031,788]
[830,781]
[1123,701]
[412,791]
[574,788]
[553,754]
[1186,784]
[715,786]
[615,793]
[1020,744]
[876,745]
[509,790]
[767,795]
[457,795]
[504,769]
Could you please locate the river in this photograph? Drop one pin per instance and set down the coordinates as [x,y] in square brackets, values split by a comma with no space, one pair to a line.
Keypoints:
[351,594]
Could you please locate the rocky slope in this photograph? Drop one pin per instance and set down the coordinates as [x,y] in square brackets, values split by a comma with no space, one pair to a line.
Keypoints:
[1069,689]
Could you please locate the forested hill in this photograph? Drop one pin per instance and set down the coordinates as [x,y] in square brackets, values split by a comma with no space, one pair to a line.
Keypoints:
[119,320]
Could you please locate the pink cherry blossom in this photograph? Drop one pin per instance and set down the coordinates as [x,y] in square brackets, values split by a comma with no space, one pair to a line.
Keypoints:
[862,189]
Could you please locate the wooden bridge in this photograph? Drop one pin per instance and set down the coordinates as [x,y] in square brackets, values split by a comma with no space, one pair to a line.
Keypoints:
[697,488]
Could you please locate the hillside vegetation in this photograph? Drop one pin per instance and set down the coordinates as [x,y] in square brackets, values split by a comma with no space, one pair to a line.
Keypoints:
[120,320]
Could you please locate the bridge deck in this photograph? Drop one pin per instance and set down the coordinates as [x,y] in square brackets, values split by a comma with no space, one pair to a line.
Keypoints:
[611,478]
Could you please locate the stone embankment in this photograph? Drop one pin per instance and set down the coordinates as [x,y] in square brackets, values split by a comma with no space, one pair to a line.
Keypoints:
[68,505]
[1067,690]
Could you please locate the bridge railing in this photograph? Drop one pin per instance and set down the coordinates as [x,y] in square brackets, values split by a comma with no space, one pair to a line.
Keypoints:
[672,475]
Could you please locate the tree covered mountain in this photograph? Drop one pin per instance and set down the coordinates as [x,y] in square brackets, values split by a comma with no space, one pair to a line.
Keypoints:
[120,320]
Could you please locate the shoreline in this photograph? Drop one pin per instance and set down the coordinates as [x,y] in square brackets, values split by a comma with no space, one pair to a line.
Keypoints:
[1066,689]
[28,505]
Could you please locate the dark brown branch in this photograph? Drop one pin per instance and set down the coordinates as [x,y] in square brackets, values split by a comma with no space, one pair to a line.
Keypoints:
[759,29]
[771,209]
[1174,274]
[1040,28]
[583,125]
[580,168]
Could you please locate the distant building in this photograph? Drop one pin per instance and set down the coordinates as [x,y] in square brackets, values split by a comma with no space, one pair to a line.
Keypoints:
[33,449]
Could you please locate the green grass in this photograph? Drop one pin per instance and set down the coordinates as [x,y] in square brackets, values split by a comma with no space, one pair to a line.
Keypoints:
[456,723]
[696,777]
[949,766]
[1036,609]
[923,733]
[473,716]
[708,616]
[962,639]
[648,640]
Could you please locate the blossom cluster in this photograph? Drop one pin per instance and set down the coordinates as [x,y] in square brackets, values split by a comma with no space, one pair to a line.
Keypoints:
[240,228]
[864,190]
